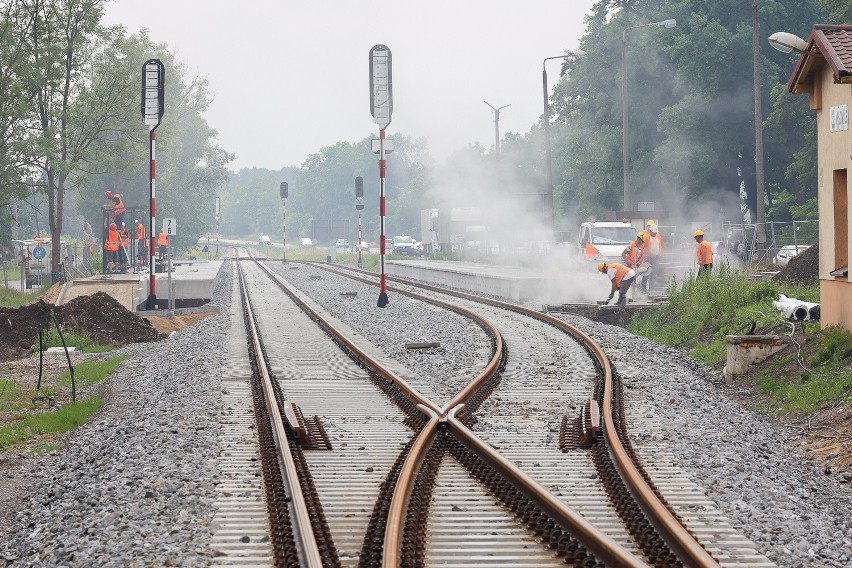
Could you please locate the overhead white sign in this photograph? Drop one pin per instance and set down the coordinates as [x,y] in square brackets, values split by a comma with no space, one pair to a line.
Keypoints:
[381,85]
[153,93]
[839,118]
[170,227]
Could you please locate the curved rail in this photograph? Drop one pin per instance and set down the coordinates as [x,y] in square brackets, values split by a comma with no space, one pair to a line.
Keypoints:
[676,536]
[586,534]
[308,549]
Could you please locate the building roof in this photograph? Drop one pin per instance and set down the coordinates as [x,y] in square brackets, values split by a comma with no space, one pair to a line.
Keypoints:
[827,45]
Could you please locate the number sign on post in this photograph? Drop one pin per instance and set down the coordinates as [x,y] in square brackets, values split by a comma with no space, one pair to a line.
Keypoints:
[170,227]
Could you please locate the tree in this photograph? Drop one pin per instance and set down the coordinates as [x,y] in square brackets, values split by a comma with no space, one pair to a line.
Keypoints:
[74,105]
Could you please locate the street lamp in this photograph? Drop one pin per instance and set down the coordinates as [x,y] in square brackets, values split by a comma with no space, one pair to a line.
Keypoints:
[546,120]
[787,42]
[496,127]
[625,133]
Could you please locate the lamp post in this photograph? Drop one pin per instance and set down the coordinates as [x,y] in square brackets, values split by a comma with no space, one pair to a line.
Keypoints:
[496,127]
[625,132]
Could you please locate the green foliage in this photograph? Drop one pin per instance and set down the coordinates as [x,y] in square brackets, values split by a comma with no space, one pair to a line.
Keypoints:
[68,417]
[10,298]
[91,372]
[80,340]
[836,346]
[704,310]
[839,11]
[810,391]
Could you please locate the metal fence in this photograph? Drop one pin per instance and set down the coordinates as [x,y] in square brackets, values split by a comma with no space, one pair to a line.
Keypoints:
[744,240]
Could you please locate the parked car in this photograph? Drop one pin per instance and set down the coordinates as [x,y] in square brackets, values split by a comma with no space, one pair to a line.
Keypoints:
[785,253]
[341,244]
[305,242]
[403,244]
[264,240]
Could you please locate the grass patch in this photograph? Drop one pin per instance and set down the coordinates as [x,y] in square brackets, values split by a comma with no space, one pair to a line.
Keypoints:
[10,298]
[81,341]
[91,372]
[702,311]
[810,391]
[68,417]
[11,396]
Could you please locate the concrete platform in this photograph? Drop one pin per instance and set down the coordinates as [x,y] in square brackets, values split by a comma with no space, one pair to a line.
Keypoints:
[192,285]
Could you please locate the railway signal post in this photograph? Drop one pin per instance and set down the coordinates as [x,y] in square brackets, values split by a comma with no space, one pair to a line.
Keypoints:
[284,189]
[359,205]
[153,107]
[381,107]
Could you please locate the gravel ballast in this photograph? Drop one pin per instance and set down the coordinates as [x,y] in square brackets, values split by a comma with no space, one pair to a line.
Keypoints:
[786,504]
[136,485]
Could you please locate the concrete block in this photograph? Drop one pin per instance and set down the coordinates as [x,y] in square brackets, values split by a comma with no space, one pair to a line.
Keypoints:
[745,351]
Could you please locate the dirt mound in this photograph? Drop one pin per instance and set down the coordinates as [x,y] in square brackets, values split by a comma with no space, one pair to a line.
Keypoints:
[802,268]
[99,316]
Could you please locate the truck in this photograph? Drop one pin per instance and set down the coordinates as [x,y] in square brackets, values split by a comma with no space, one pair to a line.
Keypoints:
[605,240]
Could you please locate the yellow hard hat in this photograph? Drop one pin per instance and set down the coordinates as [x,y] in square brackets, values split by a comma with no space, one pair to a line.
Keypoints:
[601,266]
[642,237]
[698,233]
[650,222]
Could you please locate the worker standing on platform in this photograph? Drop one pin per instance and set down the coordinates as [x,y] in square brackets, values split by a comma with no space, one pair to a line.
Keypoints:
[111,247]
[621,277]
[704,254]
[141,243]
[124,238]
[163,244]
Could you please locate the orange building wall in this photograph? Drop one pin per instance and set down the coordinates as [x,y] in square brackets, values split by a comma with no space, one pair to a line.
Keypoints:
[833,149]
[835,304]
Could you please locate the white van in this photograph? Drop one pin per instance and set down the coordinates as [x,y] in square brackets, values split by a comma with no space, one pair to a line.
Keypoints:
[785,253]
[606,240]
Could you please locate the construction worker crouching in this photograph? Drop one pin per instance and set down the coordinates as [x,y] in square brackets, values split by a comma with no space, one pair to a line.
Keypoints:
[621,277]
[704,253]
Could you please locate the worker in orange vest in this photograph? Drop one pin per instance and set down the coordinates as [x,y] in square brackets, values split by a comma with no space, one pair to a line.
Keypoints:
[621,278]
[111,246]
[704,252]
[163,244]
[117,207]
[634,254]
[141,242]
[124,236]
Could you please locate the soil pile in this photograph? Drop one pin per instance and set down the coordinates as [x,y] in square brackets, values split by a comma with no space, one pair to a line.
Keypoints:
[99,316]
[801,269]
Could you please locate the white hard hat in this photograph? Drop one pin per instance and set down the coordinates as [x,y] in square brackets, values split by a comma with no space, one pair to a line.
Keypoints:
[654,228]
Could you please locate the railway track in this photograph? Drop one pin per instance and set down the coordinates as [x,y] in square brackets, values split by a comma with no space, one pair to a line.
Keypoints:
[409,483]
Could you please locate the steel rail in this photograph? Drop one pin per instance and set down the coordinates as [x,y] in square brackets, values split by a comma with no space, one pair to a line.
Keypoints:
[676,536]
[307,545]
[602,545]
[588,535]
[395,525]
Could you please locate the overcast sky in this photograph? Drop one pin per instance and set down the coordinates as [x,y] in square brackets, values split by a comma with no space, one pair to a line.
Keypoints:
[290,77]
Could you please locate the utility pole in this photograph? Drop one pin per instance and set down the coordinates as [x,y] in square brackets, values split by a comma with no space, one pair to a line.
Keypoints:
[496,127]
[760,210]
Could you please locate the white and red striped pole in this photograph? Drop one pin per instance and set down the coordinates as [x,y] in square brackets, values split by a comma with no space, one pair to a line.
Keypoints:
[360,262]
[383,278]
[359,205]
[284,189]
[152,279]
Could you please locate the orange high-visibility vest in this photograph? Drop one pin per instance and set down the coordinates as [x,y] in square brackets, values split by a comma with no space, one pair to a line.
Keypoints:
[140,232]
[112,242]
[620,272]
[125,237]
[162,240]
[704,252]
[648,242]
[118,205]
[634,254]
